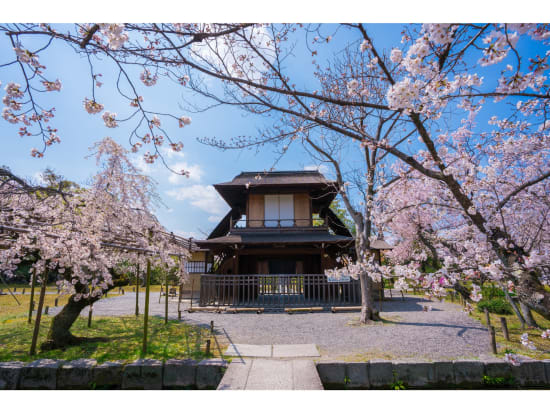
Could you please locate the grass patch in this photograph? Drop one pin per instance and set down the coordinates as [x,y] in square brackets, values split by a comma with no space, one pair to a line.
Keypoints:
[515,332]
[123,336]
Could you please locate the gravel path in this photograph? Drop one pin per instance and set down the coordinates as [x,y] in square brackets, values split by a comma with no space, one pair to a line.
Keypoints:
[407,331]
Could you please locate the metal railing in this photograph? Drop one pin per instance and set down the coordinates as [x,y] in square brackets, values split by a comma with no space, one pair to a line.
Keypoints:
[194,267]
[279,223]
[277,291]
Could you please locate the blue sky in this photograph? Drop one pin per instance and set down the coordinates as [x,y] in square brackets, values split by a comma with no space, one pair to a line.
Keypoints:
[192,206]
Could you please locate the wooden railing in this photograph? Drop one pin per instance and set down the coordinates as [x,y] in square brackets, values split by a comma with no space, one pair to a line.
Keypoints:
[277,291]
[194,267]
[278,223]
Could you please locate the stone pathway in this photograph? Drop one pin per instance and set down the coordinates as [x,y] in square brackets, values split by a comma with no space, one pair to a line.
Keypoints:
[407,332]
[271,374]
[272,350]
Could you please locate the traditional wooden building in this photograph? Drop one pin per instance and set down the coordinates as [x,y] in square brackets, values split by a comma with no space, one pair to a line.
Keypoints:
[274,245]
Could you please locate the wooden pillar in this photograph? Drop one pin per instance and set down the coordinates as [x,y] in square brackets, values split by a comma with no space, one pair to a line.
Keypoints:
[39,312]
[31,303]
[137,290]
[146,313]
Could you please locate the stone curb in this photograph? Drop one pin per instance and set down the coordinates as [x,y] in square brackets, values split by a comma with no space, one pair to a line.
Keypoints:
[143,374]
[385,374]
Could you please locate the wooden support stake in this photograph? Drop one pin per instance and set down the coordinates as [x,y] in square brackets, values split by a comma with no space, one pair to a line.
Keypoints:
[136,289]
[212,326]
[90,311]
[166,299]
[487,317]
[208,346]
[31,303]
[179,315]
[192,287]
[146,313]
[23,293]
[493,339]
[504,325]
[38,315]
[46,310]
[56,302]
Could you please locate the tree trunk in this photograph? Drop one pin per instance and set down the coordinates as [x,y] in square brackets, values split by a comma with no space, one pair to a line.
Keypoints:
[59,335]
[527,315]
[531,293]
[367,301]
[515,308]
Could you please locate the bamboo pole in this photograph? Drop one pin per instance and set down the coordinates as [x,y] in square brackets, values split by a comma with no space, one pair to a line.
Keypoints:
[504,325]
[137,290]
[39,314]
[179,302]
[487,317]
[166,298]
[146,311]
[90,313]
[493,339]
[31,303]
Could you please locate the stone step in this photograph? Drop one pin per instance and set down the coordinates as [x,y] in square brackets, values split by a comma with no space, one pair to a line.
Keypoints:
[271,374]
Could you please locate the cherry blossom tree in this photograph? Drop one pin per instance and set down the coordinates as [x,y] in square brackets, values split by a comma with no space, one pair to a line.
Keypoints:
[475,95]
[84,233]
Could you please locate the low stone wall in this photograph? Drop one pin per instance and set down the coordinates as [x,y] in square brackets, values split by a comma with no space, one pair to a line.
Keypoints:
[465,374]
[144,374]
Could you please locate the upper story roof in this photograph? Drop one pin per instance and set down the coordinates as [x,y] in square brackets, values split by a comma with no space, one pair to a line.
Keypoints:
[234,192]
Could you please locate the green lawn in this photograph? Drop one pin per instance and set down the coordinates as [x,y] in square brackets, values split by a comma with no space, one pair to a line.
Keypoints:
[515,332]
[123,337]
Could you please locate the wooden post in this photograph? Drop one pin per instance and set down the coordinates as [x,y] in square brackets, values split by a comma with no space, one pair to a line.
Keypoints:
[166,298]
[31,303]
[504,325]
[137,290]
[208,346]
[23,293]
[146,312]
[192,290]
[179,302]
[487,317]
[38,314]
[46,310]
[212,327]
[90,311]
[493,339]
[56,302]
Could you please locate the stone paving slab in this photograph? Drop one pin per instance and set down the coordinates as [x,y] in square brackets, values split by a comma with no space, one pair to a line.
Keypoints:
[275,350]
[271,374]
[249,350]
[295,350]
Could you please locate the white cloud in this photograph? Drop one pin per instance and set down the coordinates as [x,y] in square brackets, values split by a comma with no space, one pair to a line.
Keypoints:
[168,153]
[321,168]
[37,176]
[215,218]
[195,173]
[203,197]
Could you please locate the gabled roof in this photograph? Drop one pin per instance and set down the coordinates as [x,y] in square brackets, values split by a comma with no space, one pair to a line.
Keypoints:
[277,178]
[322,190]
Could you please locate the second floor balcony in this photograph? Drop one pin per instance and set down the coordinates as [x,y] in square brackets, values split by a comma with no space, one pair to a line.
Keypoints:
[293,224]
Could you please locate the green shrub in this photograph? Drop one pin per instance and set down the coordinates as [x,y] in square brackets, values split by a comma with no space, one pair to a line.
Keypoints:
[494,305]
[491,291]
